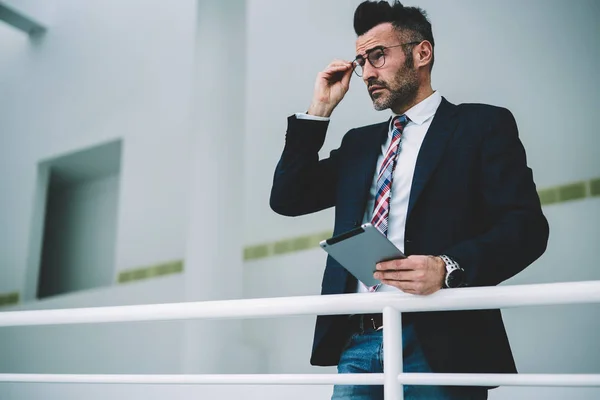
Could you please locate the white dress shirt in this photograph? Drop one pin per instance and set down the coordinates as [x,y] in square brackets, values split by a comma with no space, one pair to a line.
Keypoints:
[420,116]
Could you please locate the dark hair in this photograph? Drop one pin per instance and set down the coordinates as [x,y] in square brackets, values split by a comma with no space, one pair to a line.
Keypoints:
[411,21]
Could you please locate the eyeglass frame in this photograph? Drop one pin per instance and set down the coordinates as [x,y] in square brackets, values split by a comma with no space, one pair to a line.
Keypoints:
[368,52]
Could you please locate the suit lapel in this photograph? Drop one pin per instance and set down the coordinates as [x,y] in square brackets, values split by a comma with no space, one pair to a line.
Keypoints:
[361,169]
[443,124]
[372,149]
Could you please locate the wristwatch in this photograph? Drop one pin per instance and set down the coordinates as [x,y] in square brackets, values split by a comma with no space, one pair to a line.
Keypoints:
[455,275]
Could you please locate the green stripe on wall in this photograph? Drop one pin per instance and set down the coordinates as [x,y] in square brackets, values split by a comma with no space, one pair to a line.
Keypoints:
[595,187]
[168,268]
[548,196]
[573,191]
[570,191]
[9,299]
[285,246]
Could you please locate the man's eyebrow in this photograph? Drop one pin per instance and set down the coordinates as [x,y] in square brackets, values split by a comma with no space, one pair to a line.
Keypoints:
[367,51]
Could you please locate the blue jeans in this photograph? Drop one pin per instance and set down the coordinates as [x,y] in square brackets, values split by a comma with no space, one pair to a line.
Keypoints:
[364,354]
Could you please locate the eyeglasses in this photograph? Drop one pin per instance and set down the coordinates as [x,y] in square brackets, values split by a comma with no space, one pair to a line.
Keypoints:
[375,56]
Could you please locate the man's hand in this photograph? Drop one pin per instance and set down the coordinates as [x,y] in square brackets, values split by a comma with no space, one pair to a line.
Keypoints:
[330,87]
[421,275]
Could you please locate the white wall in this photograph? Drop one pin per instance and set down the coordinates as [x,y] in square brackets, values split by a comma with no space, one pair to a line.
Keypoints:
[113,69]
[105,70]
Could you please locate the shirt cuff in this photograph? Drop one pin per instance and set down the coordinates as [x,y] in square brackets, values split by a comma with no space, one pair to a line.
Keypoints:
[313,117]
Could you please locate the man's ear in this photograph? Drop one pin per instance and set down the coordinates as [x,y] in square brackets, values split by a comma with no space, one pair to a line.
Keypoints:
[423,54]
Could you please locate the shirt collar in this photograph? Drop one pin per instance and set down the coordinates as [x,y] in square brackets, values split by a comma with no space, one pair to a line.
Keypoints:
[423,111]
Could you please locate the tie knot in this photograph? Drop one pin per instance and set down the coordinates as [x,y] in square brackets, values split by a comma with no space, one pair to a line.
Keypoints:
[400,122]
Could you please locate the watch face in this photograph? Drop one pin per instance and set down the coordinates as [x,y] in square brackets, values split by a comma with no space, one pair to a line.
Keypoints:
[455,278]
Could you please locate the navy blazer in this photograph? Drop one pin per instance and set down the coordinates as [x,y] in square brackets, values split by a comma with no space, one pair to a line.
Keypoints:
[472,198]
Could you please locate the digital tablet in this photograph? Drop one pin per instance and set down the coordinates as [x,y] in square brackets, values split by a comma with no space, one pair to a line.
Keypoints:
[360,249]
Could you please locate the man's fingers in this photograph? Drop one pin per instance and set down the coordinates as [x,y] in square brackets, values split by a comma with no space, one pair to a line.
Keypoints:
[398,265]
[411,275]
[399,275]
[336,69]
[336,74]
[347,77]
[338,66]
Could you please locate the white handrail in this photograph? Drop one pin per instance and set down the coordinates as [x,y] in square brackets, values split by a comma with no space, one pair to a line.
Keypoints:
[477,298]
[208,379]
[551,380]
[392,356]
[392,305]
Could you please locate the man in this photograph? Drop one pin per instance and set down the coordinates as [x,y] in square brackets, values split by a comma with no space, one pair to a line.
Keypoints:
[462,205]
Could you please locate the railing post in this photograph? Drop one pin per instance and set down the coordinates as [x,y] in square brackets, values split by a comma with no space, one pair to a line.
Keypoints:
[392,354]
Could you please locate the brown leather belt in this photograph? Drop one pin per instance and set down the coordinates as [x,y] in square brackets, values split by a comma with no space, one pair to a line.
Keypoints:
[366,322]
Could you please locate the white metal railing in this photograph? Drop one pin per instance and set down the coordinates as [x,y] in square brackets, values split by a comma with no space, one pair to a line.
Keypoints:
[392,305]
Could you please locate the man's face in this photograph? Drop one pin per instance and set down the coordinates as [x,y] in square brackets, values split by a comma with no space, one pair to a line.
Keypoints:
[396,83]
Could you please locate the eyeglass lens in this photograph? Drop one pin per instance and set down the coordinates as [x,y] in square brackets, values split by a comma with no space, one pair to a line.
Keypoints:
[376,59]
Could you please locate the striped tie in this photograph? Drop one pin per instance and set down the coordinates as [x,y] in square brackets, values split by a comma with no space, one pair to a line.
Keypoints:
[381,210]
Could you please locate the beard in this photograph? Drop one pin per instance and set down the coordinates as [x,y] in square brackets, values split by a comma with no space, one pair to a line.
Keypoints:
[400,92]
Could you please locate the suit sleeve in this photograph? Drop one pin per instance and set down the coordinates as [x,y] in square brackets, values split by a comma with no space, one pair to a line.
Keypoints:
[517,230]
[302,183]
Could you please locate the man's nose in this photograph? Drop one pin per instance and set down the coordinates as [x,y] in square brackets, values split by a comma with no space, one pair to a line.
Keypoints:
[369,72]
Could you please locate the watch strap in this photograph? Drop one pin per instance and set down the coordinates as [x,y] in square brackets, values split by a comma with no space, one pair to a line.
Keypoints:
[451,266]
